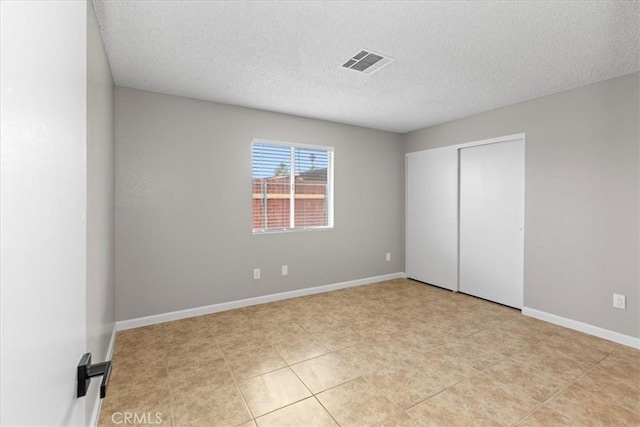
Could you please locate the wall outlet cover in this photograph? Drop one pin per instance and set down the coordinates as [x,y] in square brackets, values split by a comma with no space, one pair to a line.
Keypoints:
[256,273]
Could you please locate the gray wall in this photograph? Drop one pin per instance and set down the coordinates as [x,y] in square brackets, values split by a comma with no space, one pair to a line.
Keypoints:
[183,205]
[582,196]
[100,202]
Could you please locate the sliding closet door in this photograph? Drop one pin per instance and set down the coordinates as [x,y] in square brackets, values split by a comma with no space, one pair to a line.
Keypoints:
[432,213]
[492,221]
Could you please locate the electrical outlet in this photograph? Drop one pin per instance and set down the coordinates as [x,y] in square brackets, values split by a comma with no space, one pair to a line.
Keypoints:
[285,269]
[619,301]
[256,273]
[388,256]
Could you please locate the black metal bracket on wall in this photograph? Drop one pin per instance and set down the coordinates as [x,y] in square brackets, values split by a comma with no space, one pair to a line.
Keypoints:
[86,371]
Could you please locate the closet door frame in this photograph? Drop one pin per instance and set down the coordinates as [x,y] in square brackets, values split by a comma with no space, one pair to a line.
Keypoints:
[457,148]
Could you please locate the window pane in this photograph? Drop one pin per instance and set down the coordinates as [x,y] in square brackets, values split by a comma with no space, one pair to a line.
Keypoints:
[271,186]
[311,187]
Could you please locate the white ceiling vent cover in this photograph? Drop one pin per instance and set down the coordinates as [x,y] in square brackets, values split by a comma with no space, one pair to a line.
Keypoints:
[368,62]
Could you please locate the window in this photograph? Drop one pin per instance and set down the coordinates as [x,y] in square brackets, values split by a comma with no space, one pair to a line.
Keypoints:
[292,187]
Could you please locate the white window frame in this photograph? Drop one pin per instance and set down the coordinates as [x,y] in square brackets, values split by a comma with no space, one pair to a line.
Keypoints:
[329,194]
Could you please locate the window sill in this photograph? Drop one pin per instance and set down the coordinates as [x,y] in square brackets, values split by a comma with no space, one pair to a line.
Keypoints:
[290,230]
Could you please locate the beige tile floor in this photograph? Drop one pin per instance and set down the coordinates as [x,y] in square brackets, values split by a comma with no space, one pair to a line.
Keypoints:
[395,353]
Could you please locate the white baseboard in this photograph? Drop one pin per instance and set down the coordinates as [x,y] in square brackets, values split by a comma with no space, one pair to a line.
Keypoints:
[215,308]
[583,327]
[96,408]
[112,342]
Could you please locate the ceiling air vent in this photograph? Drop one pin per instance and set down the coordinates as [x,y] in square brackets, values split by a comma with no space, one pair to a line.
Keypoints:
[367,62]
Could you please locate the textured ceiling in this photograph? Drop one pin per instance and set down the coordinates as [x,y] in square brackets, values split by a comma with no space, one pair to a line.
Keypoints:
[453,59]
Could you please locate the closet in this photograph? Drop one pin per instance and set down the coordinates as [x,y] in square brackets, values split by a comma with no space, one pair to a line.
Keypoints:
[465,218]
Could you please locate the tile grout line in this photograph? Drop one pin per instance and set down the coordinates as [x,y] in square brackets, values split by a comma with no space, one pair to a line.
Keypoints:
[166,365]
[450,387]
[226,365]
[288,404]
[326,410]
[569,384]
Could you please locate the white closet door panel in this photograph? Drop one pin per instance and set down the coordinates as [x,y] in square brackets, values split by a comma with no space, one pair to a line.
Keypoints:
[432,206]
[492,221]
